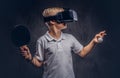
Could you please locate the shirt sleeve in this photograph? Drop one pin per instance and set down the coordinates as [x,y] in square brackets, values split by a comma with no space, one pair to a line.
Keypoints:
[39,51]
[76,45]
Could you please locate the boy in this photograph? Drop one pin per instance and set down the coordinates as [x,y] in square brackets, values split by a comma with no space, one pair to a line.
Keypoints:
[53,49]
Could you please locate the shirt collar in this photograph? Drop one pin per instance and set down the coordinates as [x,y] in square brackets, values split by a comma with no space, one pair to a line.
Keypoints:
[50,38]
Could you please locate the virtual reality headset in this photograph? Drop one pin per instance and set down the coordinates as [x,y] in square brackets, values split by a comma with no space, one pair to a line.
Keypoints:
[68,15]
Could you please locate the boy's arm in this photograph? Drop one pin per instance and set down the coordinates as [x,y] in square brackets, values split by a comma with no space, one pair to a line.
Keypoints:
[86,50]
[27,55]
[36,62]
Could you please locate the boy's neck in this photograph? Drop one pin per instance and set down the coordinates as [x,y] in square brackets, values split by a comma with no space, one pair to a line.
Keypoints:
[55,34]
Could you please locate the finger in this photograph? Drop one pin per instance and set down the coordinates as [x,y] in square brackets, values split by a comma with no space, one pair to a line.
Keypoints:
[24,53]
[98,36]
[24,47]
[102,32]
[26,57]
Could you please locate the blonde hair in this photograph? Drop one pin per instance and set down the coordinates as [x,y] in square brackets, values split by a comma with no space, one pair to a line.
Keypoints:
[52,11]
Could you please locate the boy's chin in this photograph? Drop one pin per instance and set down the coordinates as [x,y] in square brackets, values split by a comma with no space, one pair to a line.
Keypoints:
[65,27]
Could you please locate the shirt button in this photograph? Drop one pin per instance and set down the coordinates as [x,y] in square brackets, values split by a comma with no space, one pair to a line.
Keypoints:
[59,46]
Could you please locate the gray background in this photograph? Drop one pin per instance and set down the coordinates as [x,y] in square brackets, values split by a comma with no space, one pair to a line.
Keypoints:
[93,15]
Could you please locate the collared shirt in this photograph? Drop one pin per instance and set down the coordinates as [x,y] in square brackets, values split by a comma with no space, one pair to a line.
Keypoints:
[57,55]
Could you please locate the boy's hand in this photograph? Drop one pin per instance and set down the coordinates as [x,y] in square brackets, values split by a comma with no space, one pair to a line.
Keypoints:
[99,35]
[25,52]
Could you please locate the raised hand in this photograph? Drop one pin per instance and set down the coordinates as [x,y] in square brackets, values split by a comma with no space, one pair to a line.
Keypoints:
[98,37]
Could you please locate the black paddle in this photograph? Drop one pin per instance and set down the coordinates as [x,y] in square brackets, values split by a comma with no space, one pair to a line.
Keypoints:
[20,35]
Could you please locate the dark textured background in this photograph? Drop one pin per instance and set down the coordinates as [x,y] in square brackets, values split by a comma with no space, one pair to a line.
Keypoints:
[94,16]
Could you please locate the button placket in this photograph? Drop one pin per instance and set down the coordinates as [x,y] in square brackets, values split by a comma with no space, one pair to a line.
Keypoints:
[59,46]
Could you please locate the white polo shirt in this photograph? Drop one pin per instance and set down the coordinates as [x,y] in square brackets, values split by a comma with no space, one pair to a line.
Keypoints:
[57,55]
